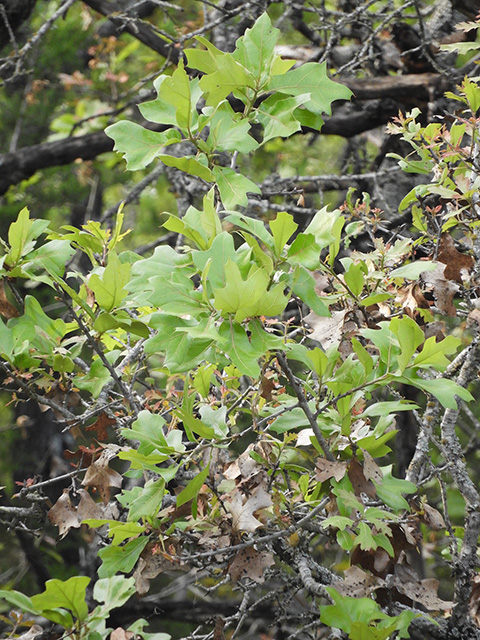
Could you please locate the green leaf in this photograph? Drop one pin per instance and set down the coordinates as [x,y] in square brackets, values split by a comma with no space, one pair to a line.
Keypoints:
[412,270]
[109,288]
[182,349]
[114,591]
[188,164]
[228,132]
[433,353]
[250,297]
[305,251]
[443,389]
[255,50]
[147,429]
[69,594]
[275,114]
[95,379]
[311,78]
[354,278]
[19,600]
[388,408]
[143,502]
[409,336]
[175,90]
[253,226]
[283,227]
[22,235]
[365,537]
[221,251]
[193,487]
[140,146]
[391,490]
[195,425]
[233,187]
[228,77]
[116,559]
[235,344]
[304,287]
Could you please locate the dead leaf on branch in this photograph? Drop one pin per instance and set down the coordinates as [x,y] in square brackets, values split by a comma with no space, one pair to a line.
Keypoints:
[443,289]
[324,470]
[101,477]
[250,563]
[100,426]
[412,299]
[245,466]
[457,264]
[7,309]
[422,591]
[371,470]
[327,331]
[358,583]
[360,483]
[242,508]
[66,516]
[121,634]
[152,563]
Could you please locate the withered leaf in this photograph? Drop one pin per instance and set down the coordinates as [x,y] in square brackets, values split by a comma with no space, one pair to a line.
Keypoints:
[432,517]
[371,470]
[358,583]
[100,476]
[250,563]
[100,426]
[150,565]
[325,469]
[422,591]
[327,331]
[443,290]
[121,634]
[455,261]
[411,298]
[359,481]
[7,309]
[63,514]
[242,508]
[244,466]
[34,631]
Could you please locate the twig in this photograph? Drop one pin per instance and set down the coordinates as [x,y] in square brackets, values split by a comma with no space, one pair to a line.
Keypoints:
[303,404]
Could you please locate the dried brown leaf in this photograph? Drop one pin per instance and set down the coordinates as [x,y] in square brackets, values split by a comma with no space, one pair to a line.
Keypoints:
[327,331]
[7,309]
[422,591]
[359,481]
[100,426]
[443,290]
[325,469]
[371,470]
[63,514]
[101,477]
[150,565]
[455,262]
[250,563]
[242,508]
[121,634]
[411,298]
[358,583]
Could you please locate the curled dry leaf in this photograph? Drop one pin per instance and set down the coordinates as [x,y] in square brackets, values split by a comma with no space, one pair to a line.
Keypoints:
[371,470]
[359,482]
[242,508]
[456,264]
[101,477]
[442,288]
[422,591]
[150,565]
[326,470]
[358,583]
[7,309]
[411,298]
[327,331]
[474,603]
[121,634]
[250,563]
[66,516]
[34,631]
[245,466]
